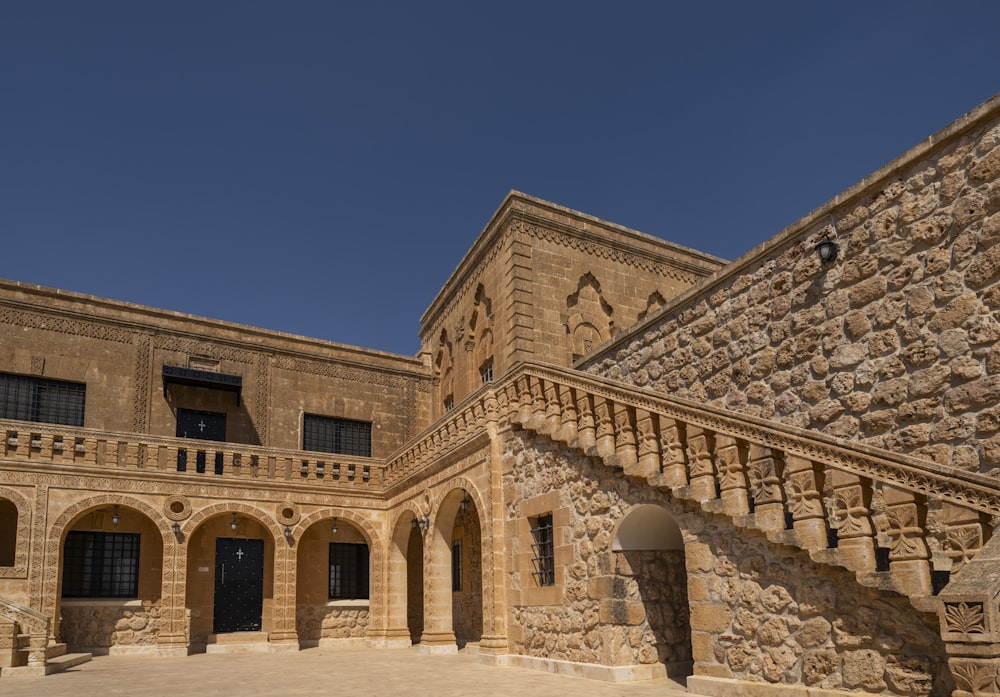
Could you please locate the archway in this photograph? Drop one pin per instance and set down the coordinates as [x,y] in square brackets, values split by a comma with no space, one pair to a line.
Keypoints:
[648,551]
[405,586]
[230,581]
[111,580]
[467,573]
[335,562]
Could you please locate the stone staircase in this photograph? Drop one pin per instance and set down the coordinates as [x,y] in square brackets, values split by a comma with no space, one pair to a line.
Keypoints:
[899,523]
[25,650]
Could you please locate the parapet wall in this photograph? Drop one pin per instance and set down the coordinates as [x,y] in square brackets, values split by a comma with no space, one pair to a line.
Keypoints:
[893,343]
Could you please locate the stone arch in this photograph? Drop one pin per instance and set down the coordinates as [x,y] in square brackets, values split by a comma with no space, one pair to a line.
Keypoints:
[588,317]
[648,527]
[203,514]
[469,603]
[649,567]
[21,535]
[310,616]
[282,569]
[404,579]
[57,535]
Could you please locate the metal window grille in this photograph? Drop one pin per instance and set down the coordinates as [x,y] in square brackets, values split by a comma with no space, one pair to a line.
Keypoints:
[542,546]
[29,398]
[456,566]
[348,571]
[342,436]
[486,372]
[449,403]
[101,565]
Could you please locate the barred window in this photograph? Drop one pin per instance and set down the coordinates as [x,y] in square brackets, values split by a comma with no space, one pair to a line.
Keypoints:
[101,565]
[543,548]
[449,403]
[486,372]
[342,436]
[456,566]
[29,398]
[348,571]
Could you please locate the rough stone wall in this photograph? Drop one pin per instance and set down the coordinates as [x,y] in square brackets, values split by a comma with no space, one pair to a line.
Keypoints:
[894,343]
[779,618]
[331,622]
[99,627]
[604,614]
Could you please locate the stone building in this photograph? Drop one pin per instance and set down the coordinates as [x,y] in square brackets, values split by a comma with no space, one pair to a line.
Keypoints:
[613,457]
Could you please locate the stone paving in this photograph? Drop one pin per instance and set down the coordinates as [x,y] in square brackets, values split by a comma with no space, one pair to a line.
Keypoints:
[357,672]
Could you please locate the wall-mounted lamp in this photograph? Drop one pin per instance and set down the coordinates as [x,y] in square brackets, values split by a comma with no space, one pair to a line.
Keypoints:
[827,250]
[423,523]
[288,533]
[176,527]
[464,505]
[115,518]
[232,523]
[334,528]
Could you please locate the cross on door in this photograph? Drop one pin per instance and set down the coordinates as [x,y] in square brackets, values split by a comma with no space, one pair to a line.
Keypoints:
[201,425]
[239,554]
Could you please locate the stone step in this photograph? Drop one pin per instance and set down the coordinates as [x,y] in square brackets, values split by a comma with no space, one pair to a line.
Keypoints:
[54,665]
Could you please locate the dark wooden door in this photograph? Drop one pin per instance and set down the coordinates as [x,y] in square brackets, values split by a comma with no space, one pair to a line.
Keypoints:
[239,584]
[204,425]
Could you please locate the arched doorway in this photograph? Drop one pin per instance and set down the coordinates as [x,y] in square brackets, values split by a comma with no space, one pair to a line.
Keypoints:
[405,587]
[649,564]
[230,581]
[333,584]
[110,581]
[8,532]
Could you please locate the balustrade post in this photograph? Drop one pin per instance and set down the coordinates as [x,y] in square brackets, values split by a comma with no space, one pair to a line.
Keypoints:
[700,447]
[585,434]
[767,497]
[909,557]
[855,535]
[553,415]
[730,457]
[672,445]
[804,502]
[604,427]
[648,446]
[568,430]
[626,454]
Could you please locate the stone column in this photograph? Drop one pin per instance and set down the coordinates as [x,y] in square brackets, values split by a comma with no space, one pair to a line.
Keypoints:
[171,640]
[494,639]
[283,635]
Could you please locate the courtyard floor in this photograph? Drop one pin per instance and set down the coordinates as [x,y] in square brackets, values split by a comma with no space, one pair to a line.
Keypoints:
[318,672]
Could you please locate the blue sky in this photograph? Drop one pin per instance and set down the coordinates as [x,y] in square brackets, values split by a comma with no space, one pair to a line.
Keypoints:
[320,168]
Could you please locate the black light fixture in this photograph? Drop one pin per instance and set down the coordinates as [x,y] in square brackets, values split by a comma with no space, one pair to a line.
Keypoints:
[232,523]
[176,527]
[334,528]
[115,518]
[464,505]
[827,250]
[423,523]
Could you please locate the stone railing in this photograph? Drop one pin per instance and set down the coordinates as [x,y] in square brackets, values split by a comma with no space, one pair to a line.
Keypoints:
[30,624]
[132,454]
[898,522]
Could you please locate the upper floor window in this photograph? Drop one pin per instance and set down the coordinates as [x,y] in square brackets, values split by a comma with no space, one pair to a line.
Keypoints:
[449,403]
[486,372]
[342,436]
[39,399]
[101,565]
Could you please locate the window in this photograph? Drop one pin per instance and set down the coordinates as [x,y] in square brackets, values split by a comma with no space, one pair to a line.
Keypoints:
[101,565]
[486,372]
[342,436]
[38,399]
[348,571]
[449,403]
[456,566]
[544,560]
